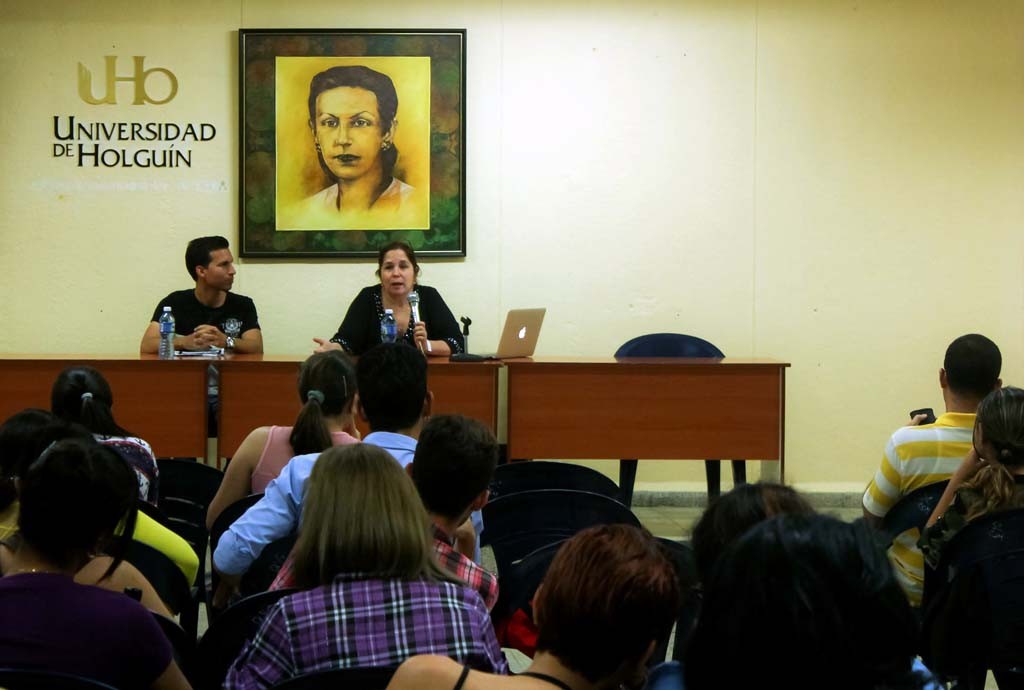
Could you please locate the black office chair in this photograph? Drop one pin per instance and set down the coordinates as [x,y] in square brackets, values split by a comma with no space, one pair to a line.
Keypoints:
[674,345]
[168,581]
[690,599]
[182,643]
[188,479]
[518,524]
[913,510]
[516,477]
[21,679]
[264,569]
[367,678]
[227,634]
[974,604]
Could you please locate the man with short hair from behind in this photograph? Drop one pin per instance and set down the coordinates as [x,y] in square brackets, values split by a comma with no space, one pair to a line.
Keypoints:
[453,468]
[209,315]
[392,398]
[922,454]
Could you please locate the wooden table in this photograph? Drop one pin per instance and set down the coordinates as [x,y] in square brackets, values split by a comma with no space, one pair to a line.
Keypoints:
[646,407]
[163,402]
[257,390]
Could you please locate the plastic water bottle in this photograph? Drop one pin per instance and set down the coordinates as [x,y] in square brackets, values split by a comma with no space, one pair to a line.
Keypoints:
[167,334]
[388,327]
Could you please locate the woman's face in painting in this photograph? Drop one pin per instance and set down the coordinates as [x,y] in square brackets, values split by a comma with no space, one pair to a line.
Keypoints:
[348,131]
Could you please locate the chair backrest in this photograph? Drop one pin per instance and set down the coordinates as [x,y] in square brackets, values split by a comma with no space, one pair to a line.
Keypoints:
[516,477]
[187,519]
[264,569]
[668,345]
[913,510]
[228,516]
[21,679]
[685,565]
[974,610]
[520,580]
[167,579]
[183,644]
[518,524]
[188,479]
[228,633]
[366,678]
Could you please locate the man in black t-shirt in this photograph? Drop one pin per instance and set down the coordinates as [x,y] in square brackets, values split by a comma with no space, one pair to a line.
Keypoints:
[208,315]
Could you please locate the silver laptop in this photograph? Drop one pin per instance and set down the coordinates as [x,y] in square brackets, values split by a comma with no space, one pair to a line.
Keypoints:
[519,337]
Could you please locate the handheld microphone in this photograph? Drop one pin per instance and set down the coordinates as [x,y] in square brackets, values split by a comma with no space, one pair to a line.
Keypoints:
[414,305]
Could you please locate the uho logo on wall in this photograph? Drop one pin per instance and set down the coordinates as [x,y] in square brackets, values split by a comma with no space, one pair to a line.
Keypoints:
[138,78]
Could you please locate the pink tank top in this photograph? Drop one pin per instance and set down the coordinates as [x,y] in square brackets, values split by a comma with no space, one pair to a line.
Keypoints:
[278,451]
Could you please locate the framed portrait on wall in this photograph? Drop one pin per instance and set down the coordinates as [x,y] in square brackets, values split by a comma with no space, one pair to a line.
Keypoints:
[350,140]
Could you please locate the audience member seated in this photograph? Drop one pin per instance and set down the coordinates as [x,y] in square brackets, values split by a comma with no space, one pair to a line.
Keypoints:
[393,400]
[802,602]
[729,516]
[327,387]
[72,500]
[81,395]
[608,596]
[991,476]
[922,454]
[454,464]
[23,437]
[377,594]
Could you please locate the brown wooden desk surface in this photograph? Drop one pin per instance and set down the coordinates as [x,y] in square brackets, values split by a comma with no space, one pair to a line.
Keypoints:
[163,402]
[258,390]
[646,408]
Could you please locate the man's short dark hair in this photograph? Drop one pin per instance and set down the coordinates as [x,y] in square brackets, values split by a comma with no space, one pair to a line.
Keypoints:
[972,365]
[454,462]
[198,252]
[392,382]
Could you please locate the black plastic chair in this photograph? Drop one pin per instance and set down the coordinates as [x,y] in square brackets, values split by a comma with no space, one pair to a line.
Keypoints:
[264,569]
[20,679]
[913,510]
[517,524]
[674,345]
[168,581]
[366,678]
[183,644]
[685,566]
[519,582]
[516,477]
[188,479]
[227,635]
[974,604]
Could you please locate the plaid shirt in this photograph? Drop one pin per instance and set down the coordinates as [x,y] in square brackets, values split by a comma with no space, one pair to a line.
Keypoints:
[357,622]
[451,560]
[464,568]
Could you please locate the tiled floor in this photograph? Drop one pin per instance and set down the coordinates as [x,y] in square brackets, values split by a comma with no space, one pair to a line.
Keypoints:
[677,523]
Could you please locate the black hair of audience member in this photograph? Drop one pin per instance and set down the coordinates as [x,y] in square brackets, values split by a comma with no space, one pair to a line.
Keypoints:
[972,365]
[802,602]
[730,515]
[198,251]
[609,594]
[454,462]
[392,380]
[73,498]
[17,442]
[81,395]
[332,375]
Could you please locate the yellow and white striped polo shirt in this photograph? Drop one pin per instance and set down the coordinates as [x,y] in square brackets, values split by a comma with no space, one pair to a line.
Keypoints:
[916,456]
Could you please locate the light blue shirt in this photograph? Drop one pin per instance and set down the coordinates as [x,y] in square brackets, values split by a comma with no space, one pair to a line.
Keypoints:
[278,513]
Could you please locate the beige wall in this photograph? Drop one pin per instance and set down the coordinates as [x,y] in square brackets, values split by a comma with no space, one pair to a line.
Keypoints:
[835,184]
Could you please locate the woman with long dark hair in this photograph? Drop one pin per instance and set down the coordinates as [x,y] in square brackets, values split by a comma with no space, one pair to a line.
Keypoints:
[81,395]
[327,388]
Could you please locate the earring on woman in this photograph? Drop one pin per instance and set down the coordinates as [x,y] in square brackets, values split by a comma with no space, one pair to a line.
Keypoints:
[385,145]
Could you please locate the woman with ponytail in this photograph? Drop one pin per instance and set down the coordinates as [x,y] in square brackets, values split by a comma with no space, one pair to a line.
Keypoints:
[81,395]
[327,387]
[990,478]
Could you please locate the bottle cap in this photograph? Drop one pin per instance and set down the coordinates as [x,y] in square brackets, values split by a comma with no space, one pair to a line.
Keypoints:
[166,309]
[389,311]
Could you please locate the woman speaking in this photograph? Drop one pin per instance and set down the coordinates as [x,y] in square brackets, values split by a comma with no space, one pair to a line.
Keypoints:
[397,269]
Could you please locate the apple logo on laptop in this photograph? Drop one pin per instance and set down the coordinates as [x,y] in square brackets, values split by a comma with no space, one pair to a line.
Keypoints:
[522,332]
